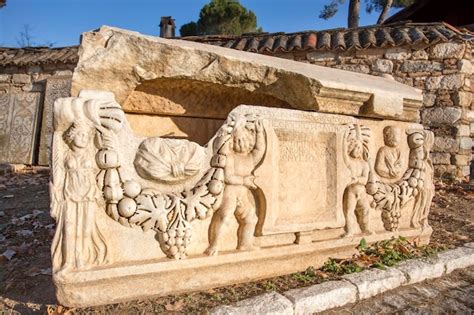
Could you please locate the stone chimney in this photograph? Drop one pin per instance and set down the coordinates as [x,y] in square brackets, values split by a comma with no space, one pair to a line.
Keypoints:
[167,27]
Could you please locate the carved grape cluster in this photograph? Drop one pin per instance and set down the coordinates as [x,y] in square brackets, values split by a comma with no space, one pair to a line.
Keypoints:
[175,240]
[167,214]
[391,219]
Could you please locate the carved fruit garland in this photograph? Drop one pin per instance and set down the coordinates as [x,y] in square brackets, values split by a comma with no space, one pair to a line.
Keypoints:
[390,198]
[169,215]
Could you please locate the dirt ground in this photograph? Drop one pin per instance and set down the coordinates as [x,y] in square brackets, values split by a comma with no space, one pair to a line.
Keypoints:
[26,231]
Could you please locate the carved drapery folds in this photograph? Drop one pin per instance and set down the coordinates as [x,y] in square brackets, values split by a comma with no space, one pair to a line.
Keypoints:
[75,196]
[239,141]
[164,185]
[368,189]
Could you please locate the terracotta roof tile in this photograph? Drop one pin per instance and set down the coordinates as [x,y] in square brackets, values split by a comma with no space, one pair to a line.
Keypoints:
[38,55]
[377,36]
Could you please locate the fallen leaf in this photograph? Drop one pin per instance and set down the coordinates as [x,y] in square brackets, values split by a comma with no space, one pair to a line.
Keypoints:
[177,306]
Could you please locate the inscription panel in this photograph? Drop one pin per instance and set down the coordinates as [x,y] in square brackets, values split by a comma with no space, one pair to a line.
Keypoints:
[303,195]
[306,163]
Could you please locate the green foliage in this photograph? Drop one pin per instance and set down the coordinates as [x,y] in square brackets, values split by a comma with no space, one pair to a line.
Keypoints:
[330,9]
[222,17]
[378,255]
[332,266]
[306,276]
[269,286]
[362,244]
[189,29]
[378,5]
[340,267]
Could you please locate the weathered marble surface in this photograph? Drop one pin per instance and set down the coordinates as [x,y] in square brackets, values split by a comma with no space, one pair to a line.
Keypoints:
[18,120]
[275,191]
[269,189]
[56,87]
[151,75]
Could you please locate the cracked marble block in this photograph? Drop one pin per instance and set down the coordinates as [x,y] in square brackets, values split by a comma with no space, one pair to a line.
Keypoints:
[321,159]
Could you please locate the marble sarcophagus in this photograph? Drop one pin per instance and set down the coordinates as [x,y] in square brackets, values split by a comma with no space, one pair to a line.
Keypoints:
[322,159]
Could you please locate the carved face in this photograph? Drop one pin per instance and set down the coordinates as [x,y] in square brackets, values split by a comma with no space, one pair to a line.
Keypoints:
[243,141]
[78,135]
[391,136]
[356,149]
[415,140]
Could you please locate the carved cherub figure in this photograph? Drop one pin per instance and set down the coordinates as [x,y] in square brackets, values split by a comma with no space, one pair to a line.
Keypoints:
[244,152]
[389,163]
[356,201]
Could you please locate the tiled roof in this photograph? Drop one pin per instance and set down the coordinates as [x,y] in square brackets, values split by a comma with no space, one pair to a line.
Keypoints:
[38,55]
[378,36]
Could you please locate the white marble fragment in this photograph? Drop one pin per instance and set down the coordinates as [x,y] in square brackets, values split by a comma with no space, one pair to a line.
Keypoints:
[270,303]
[321,297]
[458,258]
[376,281]
[417,270]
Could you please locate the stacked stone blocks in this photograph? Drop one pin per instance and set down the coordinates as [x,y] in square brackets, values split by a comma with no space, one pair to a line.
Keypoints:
[443,71]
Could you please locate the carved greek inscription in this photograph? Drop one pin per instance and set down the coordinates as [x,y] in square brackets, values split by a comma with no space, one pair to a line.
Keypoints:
[307,164]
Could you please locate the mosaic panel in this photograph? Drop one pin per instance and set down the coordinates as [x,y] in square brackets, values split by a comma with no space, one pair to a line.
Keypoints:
[18,120]
[56,87]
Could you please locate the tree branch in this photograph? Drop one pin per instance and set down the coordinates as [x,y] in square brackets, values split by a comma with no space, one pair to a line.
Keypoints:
[383,14]
[353,18]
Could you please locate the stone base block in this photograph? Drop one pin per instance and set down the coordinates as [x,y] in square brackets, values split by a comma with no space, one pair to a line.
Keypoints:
[147,279]
[321,297]
[270,303]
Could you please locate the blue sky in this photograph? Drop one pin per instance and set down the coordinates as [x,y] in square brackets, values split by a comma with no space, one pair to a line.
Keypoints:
[61,22]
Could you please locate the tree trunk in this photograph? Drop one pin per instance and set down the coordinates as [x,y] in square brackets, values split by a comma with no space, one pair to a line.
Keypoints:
[383,14]
[353,19]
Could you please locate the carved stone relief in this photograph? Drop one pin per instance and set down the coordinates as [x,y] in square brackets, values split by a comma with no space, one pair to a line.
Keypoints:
[225,188]
[416,184]
[356,202]
[288,183]
[78,242]
[241,151]
[56,87]
[168,160]
[18,119]
[389,162]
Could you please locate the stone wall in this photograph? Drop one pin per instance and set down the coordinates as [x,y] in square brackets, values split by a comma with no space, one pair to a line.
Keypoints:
[32,78]
[445,74]
[26,96]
